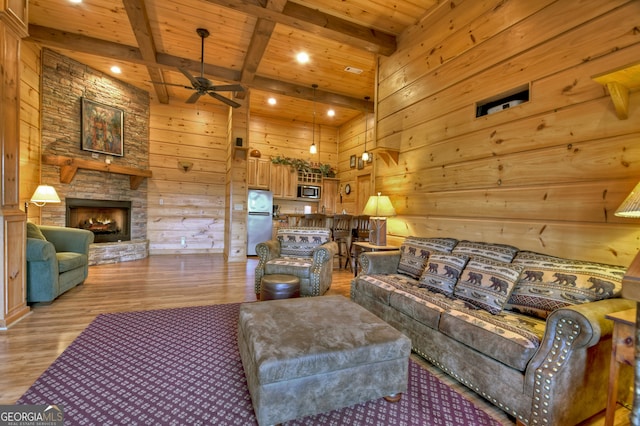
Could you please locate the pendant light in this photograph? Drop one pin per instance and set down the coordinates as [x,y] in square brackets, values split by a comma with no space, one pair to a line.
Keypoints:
[312,148]
[365,154]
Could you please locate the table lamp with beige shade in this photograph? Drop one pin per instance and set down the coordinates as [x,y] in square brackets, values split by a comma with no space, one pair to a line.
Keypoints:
[378,208]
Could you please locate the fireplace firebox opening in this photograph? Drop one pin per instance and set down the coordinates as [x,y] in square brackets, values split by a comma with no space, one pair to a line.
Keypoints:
[109,220]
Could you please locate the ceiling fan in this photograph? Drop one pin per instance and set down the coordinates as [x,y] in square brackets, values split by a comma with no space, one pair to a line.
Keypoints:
[202,85]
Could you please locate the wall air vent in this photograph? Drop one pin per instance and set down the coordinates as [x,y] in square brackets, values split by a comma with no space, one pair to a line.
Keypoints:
[353,70]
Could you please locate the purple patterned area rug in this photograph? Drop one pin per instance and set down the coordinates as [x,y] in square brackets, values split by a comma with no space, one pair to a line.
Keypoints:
[182,367]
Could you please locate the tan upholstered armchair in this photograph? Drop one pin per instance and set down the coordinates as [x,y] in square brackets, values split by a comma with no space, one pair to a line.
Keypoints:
[304,252]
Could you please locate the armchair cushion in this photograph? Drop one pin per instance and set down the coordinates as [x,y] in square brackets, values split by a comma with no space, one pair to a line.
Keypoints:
[300,242]
[68,260]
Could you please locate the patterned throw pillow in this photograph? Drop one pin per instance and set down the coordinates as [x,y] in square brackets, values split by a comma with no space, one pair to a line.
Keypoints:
[34,232]
[549,283]
[415,251]
[442,272]
[499,252]
[300,242]
[487,284]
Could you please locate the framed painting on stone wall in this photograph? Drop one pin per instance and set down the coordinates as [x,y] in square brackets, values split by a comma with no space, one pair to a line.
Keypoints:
[102,128]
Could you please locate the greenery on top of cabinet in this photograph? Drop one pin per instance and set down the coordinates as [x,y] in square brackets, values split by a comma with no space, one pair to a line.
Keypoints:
[304,166]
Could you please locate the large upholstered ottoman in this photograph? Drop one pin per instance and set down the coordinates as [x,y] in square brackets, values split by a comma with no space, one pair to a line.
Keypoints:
[311,355]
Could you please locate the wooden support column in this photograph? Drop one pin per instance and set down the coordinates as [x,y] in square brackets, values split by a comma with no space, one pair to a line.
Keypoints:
[13,27]
[235,247]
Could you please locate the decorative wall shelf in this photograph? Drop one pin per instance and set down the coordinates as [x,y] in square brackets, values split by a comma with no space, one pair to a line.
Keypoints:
[69,166]
[620,83]
[389,156]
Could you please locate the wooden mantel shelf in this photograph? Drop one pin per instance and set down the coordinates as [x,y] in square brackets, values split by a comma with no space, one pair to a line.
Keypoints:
[69,166]
[620,83]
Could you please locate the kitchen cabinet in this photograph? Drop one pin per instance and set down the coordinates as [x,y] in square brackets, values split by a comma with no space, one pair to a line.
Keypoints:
[284,181]
[258,173]
[330,195]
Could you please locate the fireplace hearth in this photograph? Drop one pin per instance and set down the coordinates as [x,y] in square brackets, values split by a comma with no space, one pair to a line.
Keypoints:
[109,220]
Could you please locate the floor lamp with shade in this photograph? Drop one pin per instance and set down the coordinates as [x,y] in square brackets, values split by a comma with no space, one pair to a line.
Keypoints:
[630,208]
[378,208]
[44,194]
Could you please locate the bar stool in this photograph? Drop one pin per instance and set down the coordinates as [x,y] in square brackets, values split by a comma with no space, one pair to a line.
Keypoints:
[341,231]
[360,232]
[314,220]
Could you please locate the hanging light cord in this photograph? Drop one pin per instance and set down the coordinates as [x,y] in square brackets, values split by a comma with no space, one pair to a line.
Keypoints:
[313,148]
[365,154]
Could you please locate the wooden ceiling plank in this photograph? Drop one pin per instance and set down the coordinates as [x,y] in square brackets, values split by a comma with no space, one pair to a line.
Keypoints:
[320,23]
[137,13]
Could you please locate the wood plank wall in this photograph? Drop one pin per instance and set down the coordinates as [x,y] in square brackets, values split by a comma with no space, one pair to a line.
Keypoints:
[352,143]
[187,204]
[278,137]
[30,142]
[546,175]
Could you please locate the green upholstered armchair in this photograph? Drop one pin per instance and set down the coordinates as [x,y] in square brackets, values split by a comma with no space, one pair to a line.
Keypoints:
[304,252]
[57,260]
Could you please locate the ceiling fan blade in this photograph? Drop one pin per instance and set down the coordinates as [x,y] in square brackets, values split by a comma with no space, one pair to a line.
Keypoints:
[193,98]
[195,83]
[227,101]
[171,84]
[228,88]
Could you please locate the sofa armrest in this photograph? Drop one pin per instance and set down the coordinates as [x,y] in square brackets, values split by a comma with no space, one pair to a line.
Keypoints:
[68,239]
[40,250]
[564,364]
[379,262]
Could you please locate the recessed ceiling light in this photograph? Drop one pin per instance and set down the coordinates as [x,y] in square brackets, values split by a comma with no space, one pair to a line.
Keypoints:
[353,70]
[272,101]
[331,113]
[116,69]
[302,57]
[75,1]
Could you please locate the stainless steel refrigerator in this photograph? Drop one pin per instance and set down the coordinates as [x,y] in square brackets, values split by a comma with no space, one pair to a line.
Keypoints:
[259,224]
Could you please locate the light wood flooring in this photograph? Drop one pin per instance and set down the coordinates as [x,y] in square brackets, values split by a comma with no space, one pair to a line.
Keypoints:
[158,282]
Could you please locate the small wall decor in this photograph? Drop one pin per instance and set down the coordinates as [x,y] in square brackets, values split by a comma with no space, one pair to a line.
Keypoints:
[360,163]
[352,161]
[102,128]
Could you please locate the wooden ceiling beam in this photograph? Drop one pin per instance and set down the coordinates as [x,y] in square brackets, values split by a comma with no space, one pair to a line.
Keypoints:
[139,20]
[307,93]
[318,23]
[74,42]
[259,41]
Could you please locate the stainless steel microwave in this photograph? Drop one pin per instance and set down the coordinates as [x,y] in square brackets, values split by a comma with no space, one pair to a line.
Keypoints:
[309,191]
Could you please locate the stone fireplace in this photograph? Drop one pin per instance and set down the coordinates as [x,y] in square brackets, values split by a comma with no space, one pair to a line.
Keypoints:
[109,220]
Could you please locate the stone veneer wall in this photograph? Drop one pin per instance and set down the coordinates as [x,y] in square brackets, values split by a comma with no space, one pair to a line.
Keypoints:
[64,83]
